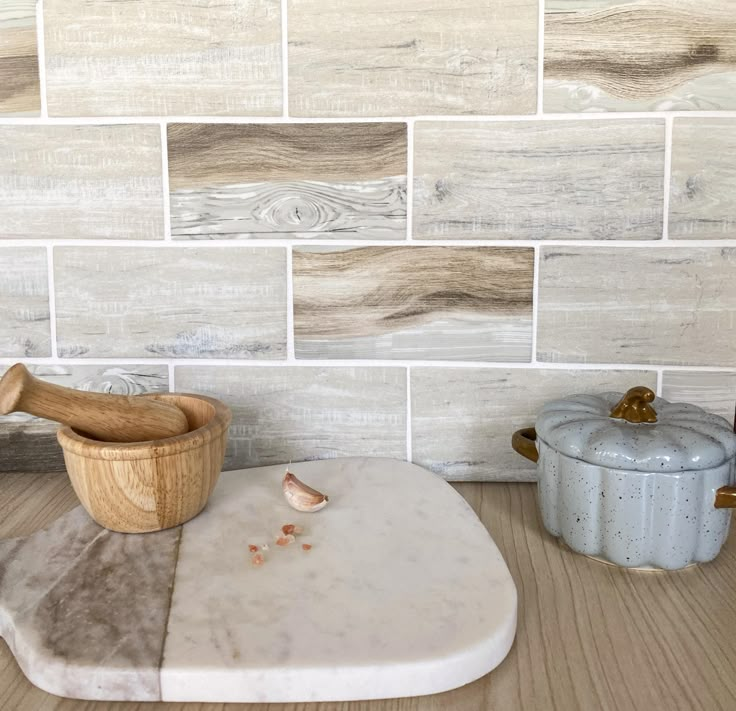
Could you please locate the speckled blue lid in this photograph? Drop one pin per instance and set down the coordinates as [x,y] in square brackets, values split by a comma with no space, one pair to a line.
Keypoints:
[685,437]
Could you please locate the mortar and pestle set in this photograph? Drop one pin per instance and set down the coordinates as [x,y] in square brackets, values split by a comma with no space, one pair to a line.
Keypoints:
[137,463]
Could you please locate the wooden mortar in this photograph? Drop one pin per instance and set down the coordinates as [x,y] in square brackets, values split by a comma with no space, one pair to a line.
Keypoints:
[149,486]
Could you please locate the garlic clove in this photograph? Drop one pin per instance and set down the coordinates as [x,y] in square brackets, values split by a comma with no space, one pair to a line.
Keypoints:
[302,497]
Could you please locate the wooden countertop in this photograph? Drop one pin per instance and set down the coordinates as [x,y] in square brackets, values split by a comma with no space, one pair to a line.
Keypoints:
[590,636]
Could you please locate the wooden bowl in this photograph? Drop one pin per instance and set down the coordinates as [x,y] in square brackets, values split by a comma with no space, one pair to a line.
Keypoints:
[149,486]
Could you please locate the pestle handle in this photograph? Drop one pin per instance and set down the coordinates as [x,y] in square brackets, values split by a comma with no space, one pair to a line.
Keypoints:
[110,418]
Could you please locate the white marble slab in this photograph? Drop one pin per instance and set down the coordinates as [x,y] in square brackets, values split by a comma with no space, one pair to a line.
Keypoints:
[403,593]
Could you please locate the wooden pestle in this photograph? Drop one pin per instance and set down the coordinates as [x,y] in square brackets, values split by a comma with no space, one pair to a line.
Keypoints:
[110,418]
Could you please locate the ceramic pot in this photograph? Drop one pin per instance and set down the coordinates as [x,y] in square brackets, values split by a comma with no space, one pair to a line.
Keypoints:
[635,480]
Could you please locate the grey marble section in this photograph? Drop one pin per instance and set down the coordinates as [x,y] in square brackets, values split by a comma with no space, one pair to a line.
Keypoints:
[671,306]
[463,418]
[25,326]
[171,303]
[56,582]
[29,443]
[703,185]
[283,414]
[713,391]
[306,209]
[534,180]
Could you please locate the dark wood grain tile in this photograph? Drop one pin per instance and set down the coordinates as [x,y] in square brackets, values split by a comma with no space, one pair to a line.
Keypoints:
[639,55]
[20,93]
[453,303]
[288,180]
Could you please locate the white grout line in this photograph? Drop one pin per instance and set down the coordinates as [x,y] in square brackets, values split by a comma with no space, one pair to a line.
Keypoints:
[256,243]
[667,177]
[285,57]
[489,118]
[290,357]
[165,181]
[540,60]
[41,52]
[660,376]
[409,453]
[410,180]
[535,302]
[52,301]
[470,365]
[172,377]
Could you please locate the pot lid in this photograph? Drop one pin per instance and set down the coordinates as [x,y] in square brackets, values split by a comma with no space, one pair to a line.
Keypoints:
[636,432]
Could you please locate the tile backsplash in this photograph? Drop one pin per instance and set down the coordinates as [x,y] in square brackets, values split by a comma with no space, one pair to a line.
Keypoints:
[371,229]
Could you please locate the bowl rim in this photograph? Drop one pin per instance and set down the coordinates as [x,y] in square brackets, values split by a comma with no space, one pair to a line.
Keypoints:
[75,443]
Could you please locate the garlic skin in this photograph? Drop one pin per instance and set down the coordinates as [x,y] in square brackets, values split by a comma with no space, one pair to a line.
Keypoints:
[302,497]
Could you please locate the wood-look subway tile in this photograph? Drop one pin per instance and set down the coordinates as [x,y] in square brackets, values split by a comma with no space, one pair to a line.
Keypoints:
[713,391]
[377,58]
[163,57]
[29,443]
[531,180]
[292,180]
[73,182]
[442,303]
[25,325]
[671,306]
[20,92]
[187,303]
[463,418]
[703,185]
[297,413]
[639,55]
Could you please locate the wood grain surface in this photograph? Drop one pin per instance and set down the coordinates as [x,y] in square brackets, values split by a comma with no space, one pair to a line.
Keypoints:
[462,419]
[178,302]
[27,442]
[298,413]
[25,329]
[163,57]
[20,93]
[551,180]
[669,306]
[639,55]
[703,183]
[713,391]
[82,181]
[446,303]
[589,636]
[423,57]
[290,180]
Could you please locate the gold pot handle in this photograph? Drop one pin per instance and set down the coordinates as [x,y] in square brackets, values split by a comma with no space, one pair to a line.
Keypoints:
[726,497]
[524,442]
[634,406]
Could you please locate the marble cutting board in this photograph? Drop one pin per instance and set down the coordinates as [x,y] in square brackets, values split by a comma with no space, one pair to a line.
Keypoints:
[403,593]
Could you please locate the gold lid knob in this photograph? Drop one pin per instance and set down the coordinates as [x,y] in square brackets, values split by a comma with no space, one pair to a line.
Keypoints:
[634,406]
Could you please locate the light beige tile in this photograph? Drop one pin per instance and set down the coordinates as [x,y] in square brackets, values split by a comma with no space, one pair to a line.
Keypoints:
[74,182]
[178,302]
[283,414]
[25,329]
[378,58]
[163,57]
[532,180]
[463,418]
[20,94]
[713,391]
[672,306]
[639,55]
[322,180]
[442,303]
[703,186]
